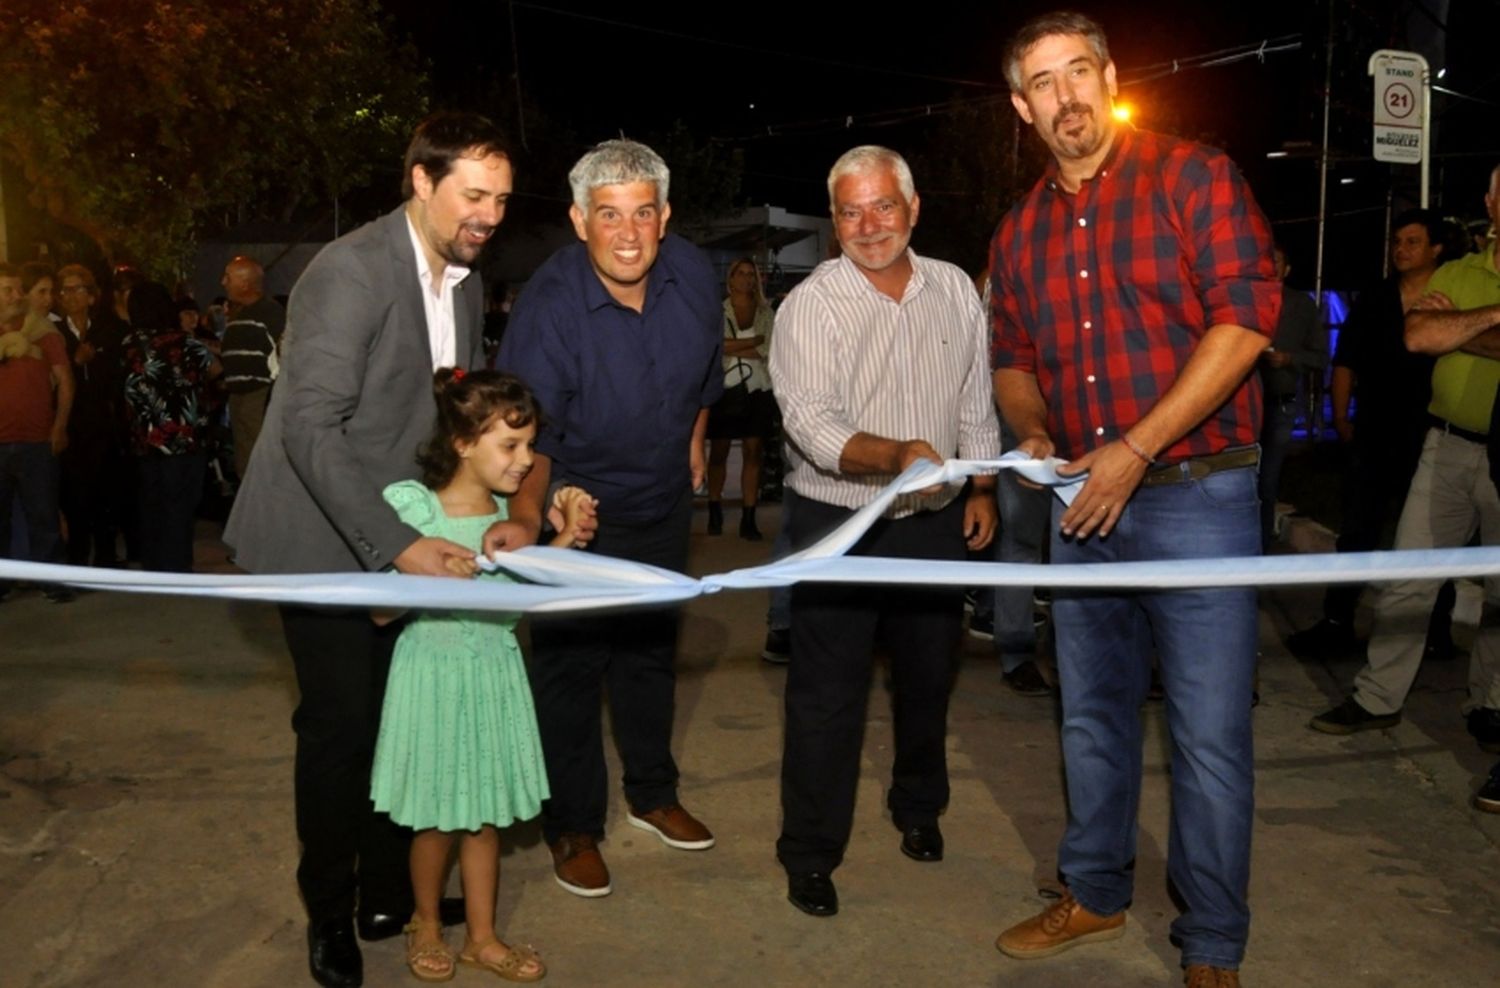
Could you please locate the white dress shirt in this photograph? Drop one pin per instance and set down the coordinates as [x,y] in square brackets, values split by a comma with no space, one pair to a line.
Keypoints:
[442,330]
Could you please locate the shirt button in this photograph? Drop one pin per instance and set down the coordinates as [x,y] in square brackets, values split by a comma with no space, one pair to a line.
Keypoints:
[1099,431]
[1082,221]
[1088,324]
[1090,379]
[1083,274]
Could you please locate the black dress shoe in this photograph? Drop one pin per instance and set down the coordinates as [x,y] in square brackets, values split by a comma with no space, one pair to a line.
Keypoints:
[333,956]
[923,842]
[382,926]
[813,893]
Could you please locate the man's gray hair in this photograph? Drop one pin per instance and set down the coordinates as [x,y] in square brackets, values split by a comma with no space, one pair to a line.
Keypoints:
[867,158]
[1045,26]
[618,163]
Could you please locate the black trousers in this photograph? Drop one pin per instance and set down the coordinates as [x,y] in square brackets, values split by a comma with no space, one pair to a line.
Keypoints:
[634,656]
[835,630]
[91,469]
[342,659]
[169,492]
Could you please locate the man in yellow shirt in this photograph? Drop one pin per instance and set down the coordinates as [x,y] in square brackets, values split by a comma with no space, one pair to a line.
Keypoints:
[1452,495]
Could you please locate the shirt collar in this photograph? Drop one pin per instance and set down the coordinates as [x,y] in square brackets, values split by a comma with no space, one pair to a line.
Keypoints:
[854,276]
[1485,260]
[452,273]
[596,296]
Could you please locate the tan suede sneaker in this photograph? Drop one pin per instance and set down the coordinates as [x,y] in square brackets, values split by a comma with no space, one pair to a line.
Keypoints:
[1061,925]
[1204,976]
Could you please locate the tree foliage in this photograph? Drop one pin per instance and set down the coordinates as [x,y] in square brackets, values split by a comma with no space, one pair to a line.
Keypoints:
[976,161]
[706,175]
[138,121]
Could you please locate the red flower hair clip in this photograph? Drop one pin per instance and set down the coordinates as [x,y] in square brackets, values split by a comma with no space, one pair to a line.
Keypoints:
[458,373]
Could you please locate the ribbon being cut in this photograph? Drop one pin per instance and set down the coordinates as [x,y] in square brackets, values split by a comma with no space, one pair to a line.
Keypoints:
[562,580]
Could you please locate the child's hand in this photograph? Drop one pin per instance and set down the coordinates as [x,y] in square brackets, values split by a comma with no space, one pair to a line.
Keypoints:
[383,616]
[575,516]
[459,566]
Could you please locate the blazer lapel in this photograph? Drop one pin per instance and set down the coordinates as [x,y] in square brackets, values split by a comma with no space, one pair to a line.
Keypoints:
[407,282]
[463,319]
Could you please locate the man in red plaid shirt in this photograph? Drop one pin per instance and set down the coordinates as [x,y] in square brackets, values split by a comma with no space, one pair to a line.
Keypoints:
[1133,292]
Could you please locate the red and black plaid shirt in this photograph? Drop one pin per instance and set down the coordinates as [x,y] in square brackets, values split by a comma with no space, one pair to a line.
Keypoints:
[1105,293]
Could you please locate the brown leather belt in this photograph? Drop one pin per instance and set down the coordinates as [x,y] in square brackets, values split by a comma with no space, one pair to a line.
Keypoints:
[1198,467]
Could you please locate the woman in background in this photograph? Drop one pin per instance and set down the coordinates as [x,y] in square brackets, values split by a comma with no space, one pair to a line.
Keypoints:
[167,371]
[747,409]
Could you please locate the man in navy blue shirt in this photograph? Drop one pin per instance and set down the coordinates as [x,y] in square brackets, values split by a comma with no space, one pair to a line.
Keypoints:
[619,336]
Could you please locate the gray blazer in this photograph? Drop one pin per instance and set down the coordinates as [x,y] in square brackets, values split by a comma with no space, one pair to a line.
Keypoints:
[352,404]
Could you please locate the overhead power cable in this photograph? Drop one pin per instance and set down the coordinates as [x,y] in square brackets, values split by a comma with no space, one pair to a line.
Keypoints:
[906,114]
[1228,56]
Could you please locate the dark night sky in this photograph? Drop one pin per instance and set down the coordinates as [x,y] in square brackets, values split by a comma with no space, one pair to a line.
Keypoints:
[609,67]
[736,70]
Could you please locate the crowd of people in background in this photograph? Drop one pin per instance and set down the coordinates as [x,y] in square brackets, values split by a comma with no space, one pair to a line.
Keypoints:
[113,412]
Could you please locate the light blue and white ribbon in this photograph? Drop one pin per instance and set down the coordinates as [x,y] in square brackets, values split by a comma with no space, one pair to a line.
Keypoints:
[563,580]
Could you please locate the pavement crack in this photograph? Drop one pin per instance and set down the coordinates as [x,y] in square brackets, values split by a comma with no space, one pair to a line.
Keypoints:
[40,842]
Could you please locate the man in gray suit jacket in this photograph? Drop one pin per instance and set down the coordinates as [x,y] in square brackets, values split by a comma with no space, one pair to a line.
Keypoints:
[374,314]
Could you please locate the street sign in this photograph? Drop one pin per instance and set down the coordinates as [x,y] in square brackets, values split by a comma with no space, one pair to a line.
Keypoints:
[1400,106]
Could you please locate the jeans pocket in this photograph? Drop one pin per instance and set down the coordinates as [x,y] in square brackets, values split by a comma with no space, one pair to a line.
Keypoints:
[1228,489]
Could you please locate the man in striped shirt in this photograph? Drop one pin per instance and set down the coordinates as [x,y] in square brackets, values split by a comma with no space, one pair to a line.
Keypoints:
[1132,294]
[252,337]
[878,360]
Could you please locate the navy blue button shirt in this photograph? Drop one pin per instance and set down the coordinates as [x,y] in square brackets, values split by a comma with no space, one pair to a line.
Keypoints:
[620,389]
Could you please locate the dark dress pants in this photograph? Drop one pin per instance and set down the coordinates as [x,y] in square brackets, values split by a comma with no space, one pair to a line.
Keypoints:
[341,659]
[634,656]
[835,629]
[170,489]
[90,471]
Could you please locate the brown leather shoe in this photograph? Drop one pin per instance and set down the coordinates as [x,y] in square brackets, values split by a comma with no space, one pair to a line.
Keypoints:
[1204,976]
[675,826]
[1061,925]
[579,866]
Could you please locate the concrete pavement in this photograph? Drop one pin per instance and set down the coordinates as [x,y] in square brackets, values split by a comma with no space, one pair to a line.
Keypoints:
[146,830]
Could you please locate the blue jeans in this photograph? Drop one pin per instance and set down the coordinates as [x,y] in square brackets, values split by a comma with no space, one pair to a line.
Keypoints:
[1205,644]
[28,478]
[1275,438]
[1021,539]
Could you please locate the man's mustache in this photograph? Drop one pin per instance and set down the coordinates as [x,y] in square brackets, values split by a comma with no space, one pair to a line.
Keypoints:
[1067,109]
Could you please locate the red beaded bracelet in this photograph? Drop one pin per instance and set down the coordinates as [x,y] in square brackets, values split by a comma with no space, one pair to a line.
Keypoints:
[1130,443]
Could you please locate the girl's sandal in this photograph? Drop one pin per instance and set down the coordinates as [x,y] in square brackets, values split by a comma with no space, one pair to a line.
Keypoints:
[510,967]
[428,961]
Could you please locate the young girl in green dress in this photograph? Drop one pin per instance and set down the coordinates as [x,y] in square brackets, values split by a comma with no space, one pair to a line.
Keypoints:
[458,754]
